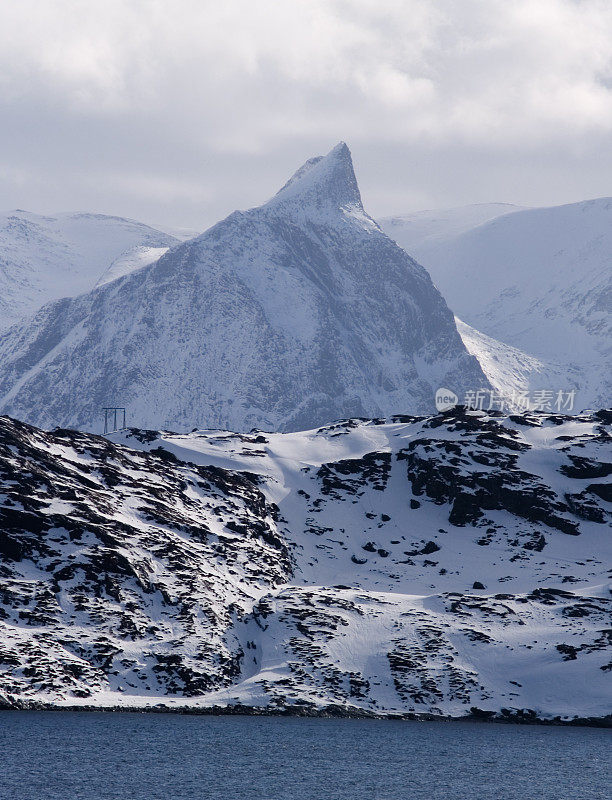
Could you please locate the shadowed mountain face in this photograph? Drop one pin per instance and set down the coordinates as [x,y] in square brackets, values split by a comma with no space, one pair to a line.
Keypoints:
[283,317]
[418,565]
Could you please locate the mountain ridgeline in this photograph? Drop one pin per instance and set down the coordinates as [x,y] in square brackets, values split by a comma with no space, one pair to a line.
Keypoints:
[540,317]
[45,258]
[283,317]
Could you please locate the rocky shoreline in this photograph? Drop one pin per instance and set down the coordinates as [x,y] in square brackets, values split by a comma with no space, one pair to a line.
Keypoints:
[505,716]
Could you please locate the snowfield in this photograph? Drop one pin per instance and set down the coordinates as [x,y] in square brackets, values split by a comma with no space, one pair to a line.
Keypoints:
[420,231]
[515,374]
[438,566]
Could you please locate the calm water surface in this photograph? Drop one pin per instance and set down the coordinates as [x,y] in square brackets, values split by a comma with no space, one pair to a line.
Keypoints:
[48,756]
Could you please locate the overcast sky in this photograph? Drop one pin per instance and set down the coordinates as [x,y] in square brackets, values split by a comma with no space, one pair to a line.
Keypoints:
[179,111]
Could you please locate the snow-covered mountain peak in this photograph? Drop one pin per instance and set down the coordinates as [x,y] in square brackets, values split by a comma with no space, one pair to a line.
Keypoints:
[282,317]
[324,182]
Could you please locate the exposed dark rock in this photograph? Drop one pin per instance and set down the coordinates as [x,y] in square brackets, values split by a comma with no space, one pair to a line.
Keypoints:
[133,571]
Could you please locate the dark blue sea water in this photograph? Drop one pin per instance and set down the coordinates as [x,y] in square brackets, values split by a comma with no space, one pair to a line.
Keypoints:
[48,756]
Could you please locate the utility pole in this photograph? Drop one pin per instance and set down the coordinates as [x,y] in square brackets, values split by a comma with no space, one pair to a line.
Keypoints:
[110,418]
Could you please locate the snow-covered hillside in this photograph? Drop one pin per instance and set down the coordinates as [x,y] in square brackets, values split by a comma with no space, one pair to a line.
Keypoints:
[540,281]
[440,565]
[43,258]
[286,316]
[524,381]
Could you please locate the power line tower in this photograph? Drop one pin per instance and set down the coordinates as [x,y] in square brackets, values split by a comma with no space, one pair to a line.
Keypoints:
[110,418]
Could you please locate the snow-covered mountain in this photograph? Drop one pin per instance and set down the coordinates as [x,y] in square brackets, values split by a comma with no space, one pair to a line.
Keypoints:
[447,565]
[540,281]
[525,381]
[44,258]
[286,316]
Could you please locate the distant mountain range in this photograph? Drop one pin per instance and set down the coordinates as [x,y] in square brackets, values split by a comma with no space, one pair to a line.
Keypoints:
[450,565]
[536,280]
[419,231]
[283,317]
[44,258]
[301,311]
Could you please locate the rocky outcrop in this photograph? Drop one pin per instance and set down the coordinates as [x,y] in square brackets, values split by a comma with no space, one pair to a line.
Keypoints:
[332,571]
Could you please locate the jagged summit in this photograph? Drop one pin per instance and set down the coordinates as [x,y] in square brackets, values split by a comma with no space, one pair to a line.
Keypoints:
[282,317]
[323,181]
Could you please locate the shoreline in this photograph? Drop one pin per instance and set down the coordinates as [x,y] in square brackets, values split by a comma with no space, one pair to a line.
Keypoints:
[511,717]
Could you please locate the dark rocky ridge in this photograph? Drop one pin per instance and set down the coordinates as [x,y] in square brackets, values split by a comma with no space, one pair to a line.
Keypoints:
[142,575]
[131,550]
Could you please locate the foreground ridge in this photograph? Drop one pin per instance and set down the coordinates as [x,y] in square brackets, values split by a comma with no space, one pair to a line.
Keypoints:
[440,566]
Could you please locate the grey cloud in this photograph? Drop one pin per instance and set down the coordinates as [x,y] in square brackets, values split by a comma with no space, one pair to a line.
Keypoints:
[178,111]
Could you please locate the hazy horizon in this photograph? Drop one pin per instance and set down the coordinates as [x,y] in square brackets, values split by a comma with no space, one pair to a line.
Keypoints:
[174,225]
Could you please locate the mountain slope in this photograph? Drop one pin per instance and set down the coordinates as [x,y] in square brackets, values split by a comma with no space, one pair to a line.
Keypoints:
[432,565]
[130,572]
[538,280]
[43,258]
[289,315]
[520,378]
[419,231]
